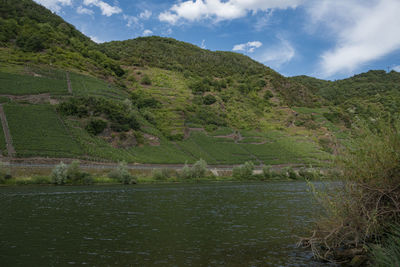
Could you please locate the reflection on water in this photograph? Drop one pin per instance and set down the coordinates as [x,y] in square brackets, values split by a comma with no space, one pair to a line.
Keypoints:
[222,224]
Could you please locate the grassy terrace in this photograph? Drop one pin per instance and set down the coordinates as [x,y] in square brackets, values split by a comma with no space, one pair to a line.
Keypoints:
[37,131]
[83,85]
[18,84]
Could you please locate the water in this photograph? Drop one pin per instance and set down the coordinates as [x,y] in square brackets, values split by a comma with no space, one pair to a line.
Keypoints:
[221,224]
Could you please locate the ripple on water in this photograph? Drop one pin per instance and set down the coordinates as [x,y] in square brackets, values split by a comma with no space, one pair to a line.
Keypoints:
[253,224]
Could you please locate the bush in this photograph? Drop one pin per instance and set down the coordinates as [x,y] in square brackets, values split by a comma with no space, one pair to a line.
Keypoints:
[268,173]
[161,174]
[244,171]
[387,254]
[209,100]
[309,174]
[122,174]
[360,210]
[146,80]
[268,94]
[63,174]
[198,170]
[5,172]
[185,173]
[76,176]
[59,174]
[96,126]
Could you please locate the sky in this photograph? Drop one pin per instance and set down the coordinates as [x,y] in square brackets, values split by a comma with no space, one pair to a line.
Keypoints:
[327,39]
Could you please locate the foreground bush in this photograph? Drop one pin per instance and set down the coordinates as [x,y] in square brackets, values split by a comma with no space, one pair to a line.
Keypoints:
[360,210]
[387,254]
[62,174]
[162,174]
[122,174]
[198,170]
[244,171]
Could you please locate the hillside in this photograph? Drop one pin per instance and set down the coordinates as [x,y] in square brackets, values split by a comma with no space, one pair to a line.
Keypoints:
[153,99]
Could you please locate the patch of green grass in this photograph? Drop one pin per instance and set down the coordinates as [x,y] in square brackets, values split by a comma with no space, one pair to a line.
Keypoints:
[165,153]
[36,130]
[222,131]
[17,84]
[83,85]
[95,148]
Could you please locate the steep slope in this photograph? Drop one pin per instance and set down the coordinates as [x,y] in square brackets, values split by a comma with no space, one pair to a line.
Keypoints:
[31,33]
[148,100]
[192,61]
[371,95]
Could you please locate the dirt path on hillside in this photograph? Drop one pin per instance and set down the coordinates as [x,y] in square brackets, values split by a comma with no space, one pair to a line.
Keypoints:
[7,134]
[69,83]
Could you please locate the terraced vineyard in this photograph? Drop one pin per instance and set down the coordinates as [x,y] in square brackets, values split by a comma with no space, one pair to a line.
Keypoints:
[37,131]
[17,84]
[83,85]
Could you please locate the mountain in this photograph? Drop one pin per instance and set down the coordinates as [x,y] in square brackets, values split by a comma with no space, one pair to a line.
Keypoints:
[159,100]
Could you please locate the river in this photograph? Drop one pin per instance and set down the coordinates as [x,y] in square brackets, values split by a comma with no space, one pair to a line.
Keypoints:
[213,224]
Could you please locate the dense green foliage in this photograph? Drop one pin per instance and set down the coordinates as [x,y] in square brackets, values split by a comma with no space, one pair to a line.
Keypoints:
[30,27]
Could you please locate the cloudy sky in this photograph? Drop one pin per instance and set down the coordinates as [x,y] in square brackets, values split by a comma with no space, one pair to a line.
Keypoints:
[329,39]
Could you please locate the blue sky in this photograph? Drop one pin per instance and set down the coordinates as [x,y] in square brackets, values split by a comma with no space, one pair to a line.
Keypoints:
[329,39]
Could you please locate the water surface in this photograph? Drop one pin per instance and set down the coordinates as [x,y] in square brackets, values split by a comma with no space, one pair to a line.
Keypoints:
[221,224]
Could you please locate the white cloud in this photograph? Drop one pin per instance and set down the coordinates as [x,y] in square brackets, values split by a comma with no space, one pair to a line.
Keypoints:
[96,40]
[54,5]
[365,31]
[83,10]
[203,44]
[145,14]
[248,47]
[396,68]
[134,21]
[147,33]
[106,9]
[131,20]
[219,10]
[276,56]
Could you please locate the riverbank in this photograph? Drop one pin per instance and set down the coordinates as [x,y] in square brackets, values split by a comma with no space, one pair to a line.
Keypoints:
[47,180]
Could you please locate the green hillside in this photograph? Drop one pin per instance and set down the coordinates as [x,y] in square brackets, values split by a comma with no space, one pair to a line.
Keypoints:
[159,100]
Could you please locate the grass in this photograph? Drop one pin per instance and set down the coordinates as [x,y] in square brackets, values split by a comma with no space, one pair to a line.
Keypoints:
[83,85]
[17,84]
[36,130]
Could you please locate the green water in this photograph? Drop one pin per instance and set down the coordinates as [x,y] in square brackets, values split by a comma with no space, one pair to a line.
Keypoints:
[221,224]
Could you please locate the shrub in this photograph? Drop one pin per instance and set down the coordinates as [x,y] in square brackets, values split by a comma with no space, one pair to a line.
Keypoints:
[387,254]
[146,80]
[209,100]
[5,172]
[59,174]
[122,174]
[360,210]
[244,171]
[199,169]
[96,126]
[268,173]
[161,174]
[309,174]
[185,173]
[76,176]
[268,94]
[63,174]
[291,173]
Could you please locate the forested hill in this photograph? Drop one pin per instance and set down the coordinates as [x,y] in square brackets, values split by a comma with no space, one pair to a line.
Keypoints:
[41,36]
[159,100]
